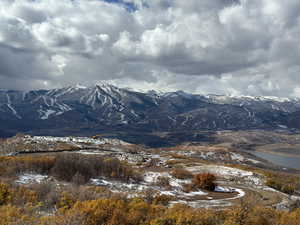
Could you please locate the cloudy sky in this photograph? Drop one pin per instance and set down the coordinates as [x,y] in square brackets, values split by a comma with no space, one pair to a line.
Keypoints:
[235,47]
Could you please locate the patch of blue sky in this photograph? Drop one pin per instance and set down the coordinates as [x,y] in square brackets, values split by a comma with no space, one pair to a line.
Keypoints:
[129,6]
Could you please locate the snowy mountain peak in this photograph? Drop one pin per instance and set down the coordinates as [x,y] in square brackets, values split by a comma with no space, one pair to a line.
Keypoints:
[102,84]
[105,106]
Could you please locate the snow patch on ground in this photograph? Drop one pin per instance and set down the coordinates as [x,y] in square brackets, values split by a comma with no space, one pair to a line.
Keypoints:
[240,195]
[237,157]
[117,186]
[218,156]
[82,140]
[28,178]
[46,114]
[254,161]
[224,189]
[152,177]
[224,171]
[229,173]
[212,203]
[91,152]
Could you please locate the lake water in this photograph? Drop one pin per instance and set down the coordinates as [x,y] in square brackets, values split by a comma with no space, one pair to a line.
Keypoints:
[286,161]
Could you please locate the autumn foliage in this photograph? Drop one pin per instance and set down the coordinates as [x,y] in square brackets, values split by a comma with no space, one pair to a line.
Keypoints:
[181,174]
[205,181]
[21,206]
[69,167]
[50,204]
[281,185]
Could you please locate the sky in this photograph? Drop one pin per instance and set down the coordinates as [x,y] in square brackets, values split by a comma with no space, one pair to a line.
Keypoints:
[232,47]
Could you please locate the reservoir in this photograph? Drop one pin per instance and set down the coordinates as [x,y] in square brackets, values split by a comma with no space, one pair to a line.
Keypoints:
[285,161]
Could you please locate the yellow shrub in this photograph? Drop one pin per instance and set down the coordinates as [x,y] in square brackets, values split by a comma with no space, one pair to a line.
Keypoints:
[66,201]
[5,194]
[12,215]
[103,211]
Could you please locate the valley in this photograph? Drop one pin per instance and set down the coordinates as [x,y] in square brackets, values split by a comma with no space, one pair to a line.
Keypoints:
[239,174]
[67,154]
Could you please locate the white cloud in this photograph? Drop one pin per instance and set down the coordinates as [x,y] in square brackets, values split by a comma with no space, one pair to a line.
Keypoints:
[222,46]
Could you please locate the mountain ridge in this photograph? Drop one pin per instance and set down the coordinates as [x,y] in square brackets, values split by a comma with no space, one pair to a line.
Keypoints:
[104,107]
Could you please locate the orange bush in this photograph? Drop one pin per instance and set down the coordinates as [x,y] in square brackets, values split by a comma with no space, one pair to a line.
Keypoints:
[205,181]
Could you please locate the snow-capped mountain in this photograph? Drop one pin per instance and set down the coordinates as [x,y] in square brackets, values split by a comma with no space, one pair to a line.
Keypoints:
[105,107]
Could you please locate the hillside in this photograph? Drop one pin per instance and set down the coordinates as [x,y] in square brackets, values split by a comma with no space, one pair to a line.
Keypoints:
[87,181]
[105,108]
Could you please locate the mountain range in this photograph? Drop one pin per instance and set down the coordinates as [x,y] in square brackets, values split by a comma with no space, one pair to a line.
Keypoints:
[107,108]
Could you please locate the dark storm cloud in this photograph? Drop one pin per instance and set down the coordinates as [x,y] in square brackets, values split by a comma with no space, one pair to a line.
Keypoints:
[248,47]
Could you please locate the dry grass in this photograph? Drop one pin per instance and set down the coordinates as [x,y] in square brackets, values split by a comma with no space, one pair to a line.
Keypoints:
[181,173]
[281,181]
[163,182]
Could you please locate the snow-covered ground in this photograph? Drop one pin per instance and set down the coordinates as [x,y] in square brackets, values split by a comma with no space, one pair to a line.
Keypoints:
[79,140]
[218,156]
[229,173]
[233,183]
[152,177]
[212,202]
[224,171]
[176,190]
[224,189]
[135,189]
[28,178]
